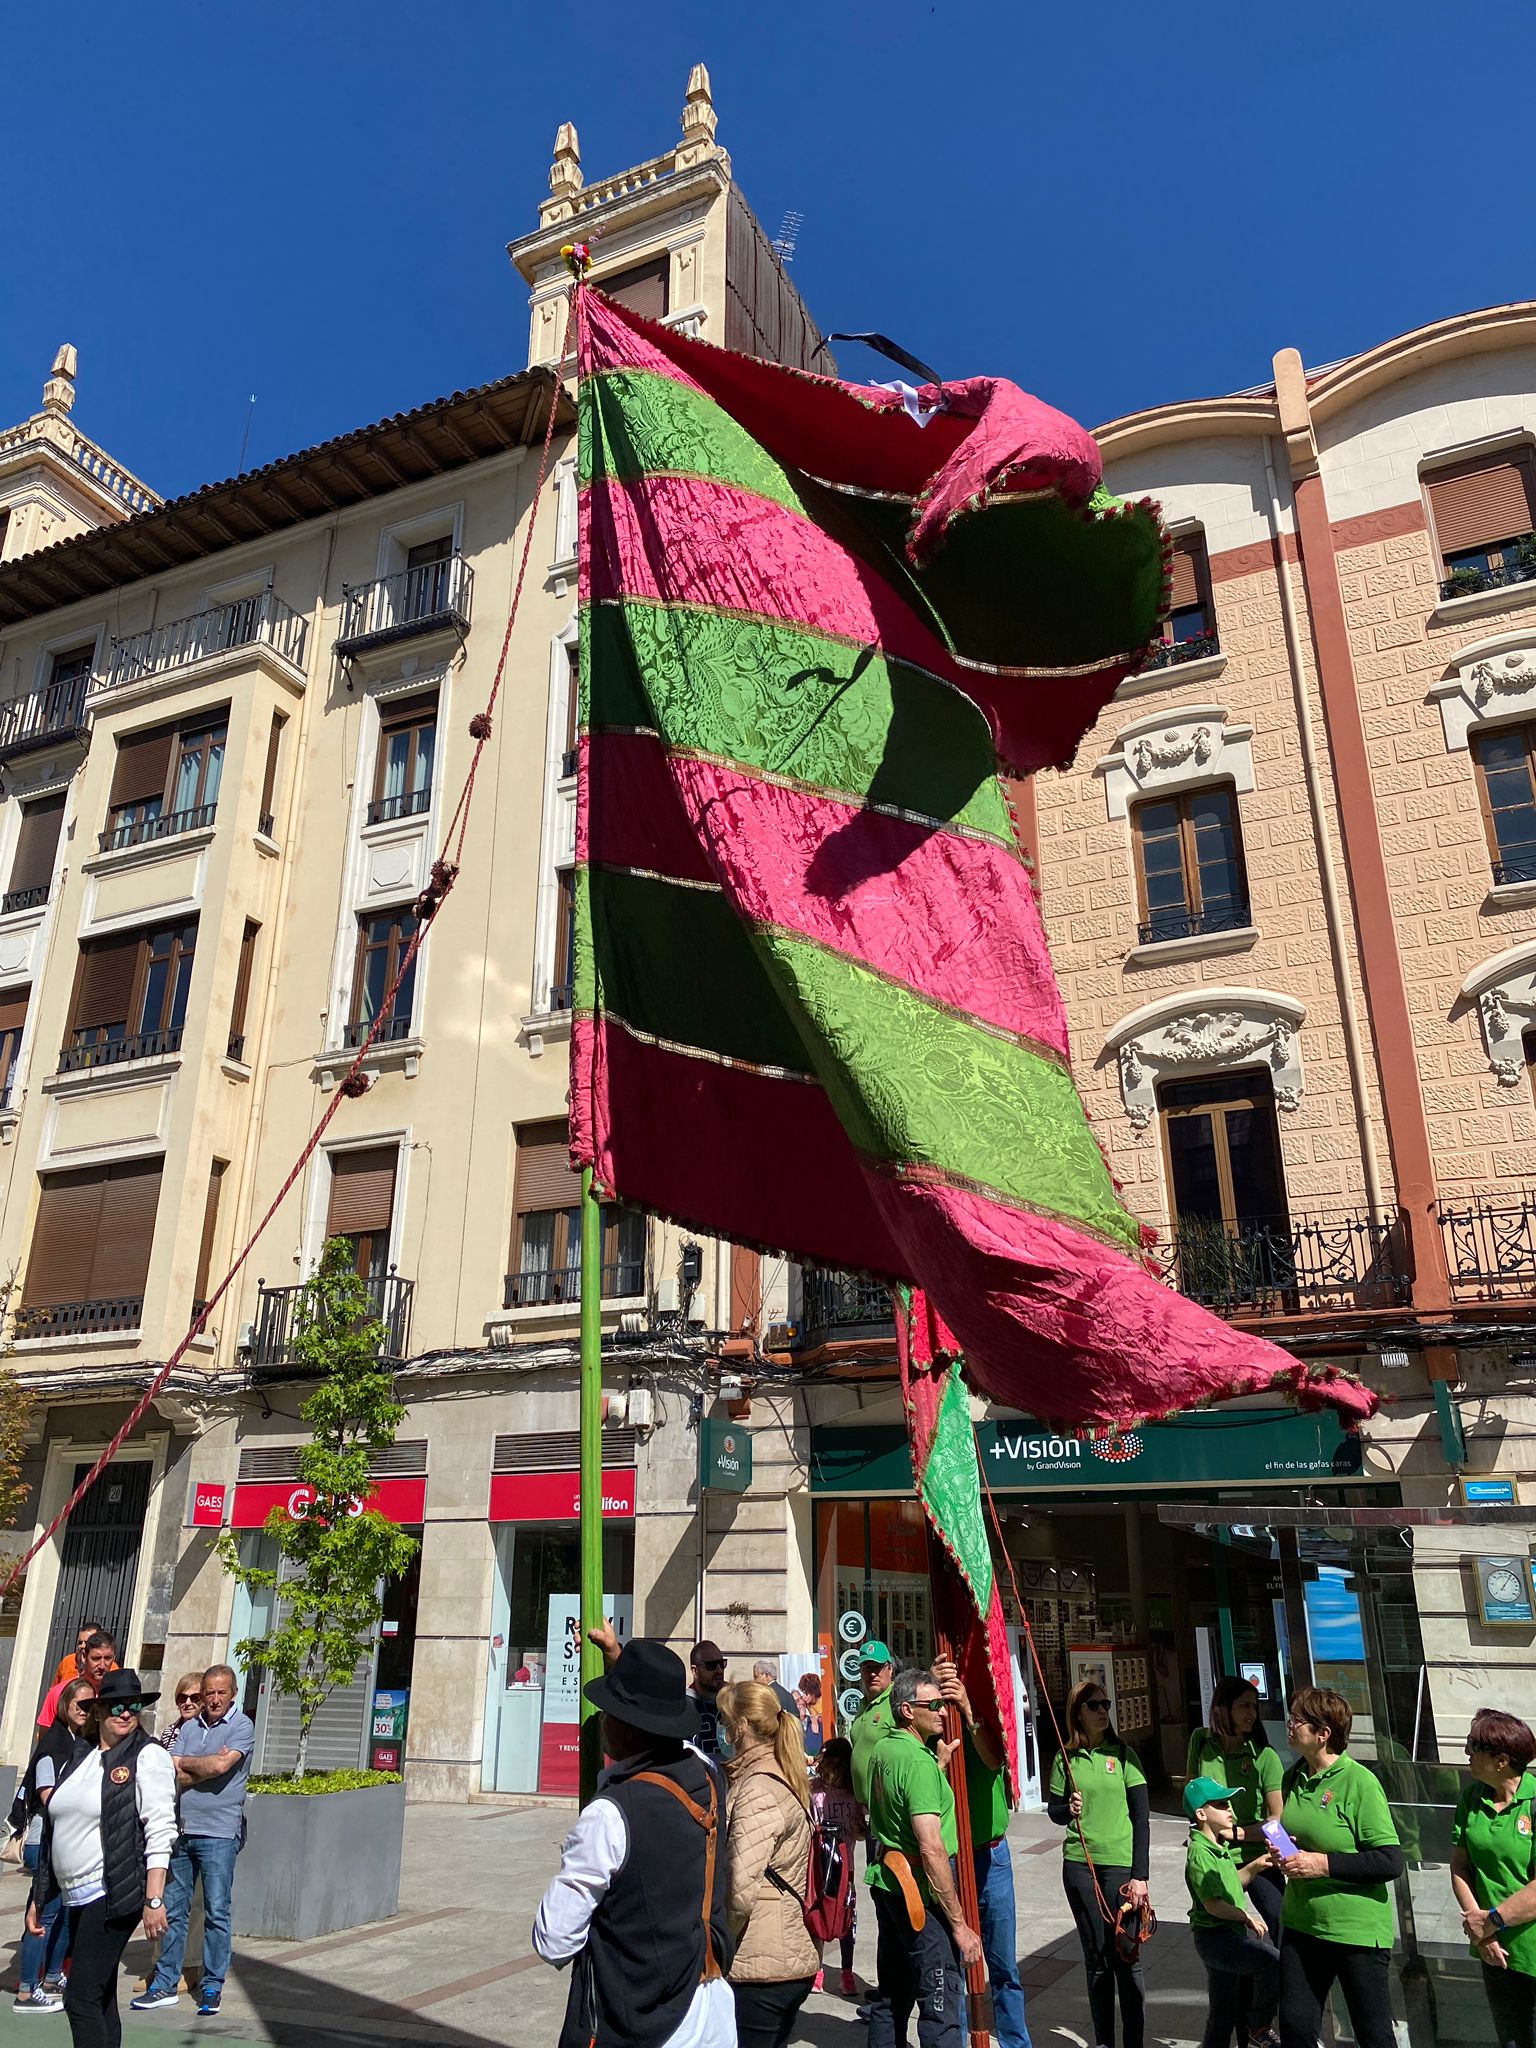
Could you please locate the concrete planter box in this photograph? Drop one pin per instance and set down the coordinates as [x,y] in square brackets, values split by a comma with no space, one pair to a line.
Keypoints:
[314,1863]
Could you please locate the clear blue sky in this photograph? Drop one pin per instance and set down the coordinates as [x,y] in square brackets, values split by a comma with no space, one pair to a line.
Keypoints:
[1115,205]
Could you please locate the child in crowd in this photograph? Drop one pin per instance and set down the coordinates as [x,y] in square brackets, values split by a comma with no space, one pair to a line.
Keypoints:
[1242,1964]
[839,1820]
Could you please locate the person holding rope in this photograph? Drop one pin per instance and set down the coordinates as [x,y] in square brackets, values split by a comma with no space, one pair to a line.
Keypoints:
[986,1784]
[1098,1794]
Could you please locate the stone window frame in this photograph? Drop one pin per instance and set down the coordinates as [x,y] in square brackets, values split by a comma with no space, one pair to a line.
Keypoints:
[1207,1031]
[1503,991]
[1489,684]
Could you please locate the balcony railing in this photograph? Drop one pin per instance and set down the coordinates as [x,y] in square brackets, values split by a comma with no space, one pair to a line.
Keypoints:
[1468,581]
[570,761]
[409,602]
[557,1284]
[79,1318]
[1490,1245]
[236,1049]
[278,1323]
[1170,653]
[561,996]
[24,899]
[1521,867]
[179,642]
[843,1306]
[264,824]
[1288,1265]
[394,1027]
[410,803]
[50,717]
[94,1047]
[140,831]
[1194,924]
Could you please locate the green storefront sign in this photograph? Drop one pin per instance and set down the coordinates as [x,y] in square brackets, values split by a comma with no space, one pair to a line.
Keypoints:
[725,1457]
[1245,1447]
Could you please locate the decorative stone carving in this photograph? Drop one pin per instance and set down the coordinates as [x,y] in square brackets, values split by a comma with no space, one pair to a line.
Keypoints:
[1492,681]
[699,121]
[1504,989]
[1172,751]
[565,179]
[1215,1029]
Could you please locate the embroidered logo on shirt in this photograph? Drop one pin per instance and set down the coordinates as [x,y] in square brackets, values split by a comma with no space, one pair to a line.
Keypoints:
[1523,1824]
[121,1775]
[1109,1766]
[1326,1800]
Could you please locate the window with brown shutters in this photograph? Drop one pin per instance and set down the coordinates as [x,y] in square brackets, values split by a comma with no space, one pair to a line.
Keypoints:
[545,1268]
[142,768]
[402,774]
[1484,513]
[563,990]
[1506,783]
[37,848]
[90,1250]
[569,758]
[13,1022]
[105,984]
[362,1204]
[642,289]
[242,990]
[165,782]
[269,774]
[1189,631]
[1190,874]
[130,999]
[216,1174]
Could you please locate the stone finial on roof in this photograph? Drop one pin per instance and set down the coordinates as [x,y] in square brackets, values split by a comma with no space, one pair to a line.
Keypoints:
[565,179]
[699,120]
[59,391]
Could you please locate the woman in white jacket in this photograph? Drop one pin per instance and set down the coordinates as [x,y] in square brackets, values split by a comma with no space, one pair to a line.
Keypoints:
[107,1839]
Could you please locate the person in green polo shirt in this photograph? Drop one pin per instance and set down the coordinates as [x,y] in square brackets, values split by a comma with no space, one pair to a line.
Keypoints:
[1098,1794]
[872,1723]
[1234,1749]
[986,1788]
[1338,1899]
[1242,1963]
[1493,1869]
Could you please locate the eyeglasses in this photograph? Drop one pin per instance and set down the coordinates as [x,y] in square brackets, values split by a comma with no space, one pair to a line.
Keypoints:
[1096,1706]
[185,1699]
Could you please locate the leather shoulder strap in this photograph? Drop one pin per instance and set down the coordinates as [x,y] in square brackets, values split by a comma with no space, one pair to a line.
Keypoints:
[709,1820]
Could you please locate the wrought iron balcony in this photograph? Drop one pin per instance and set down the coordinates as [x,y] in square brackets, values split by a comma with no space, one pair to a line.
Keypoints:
[395,1027]
[1490,1245]
[1193,924]
[264,824]
[410,803]
[236,1049]
[180,642]
[412,601]
[561,996]
[570,761]
[1287,1265]
[621,1280]
[1521,868]
[50,717]
[1170,653]
[140,831]
[78,1318]
[278,1324]
[95,1047]
[1468,580]
[843,1307]
[24,899]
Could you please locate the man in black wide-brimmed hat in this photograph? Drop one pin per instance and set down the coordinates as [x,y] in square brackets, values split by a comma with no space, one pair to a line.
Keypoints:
[647,1934]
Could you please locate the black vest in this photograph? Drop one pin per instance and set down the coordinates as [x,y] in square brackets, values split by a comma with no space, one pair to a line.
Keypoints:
[644,1959]
[122,1832]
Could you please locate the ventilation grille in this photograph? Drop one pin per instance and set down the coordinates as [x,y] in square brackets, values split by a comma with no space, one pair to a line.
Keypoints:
[276,1462]
[559,1450]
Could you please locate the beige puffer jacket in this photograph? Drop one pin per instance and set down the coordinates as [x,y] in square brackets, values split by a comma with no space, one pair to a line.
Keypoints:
[767,1826]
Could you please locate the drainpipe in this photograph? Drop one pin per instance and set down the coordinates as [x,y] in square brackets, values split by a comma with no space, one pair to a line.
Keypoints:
[1328,874]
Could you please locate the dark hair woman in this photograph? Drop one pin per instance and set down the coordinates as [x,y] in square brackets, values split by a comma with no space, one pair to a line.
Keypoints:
[1493,1869]
[1337,1918]
[107,1839]
[1098,1794]
[41,1961]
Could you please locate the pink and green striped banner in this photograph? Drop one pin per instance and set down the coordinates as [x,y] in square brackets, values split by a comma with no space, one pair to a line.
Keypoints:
[815,1010]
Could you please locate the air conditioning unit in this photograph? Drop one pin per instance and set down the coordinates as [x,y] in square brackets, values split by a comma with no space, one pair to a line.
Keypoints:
[697,1318]
[668,1299]
[642,1408]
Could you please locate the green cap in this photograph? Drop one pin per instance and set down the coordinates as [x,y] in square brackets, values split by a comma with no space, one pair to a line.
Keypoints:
[875,1652]
[1206,1792]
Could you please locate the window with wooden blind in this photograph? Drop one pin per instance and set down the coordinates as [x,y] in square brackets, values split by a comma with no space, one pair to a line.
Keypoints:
[242,1000]
[545,1266]
[1484,513]
[1191,617]
[13,1022]
[200,1286]
[130,999]
[568,757]
[266,819]
[37,849]
[643,288]
[382,941]
[402,775]
[1190,876]
[165,782]
[563,989]
[91,1243]
[1506,780]
[361,1206]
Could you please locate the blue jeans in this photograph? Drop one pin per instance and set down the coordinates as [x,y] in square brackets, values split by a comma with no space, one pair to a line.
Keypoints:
[42,1955]
[211,1858]
[1000,1941]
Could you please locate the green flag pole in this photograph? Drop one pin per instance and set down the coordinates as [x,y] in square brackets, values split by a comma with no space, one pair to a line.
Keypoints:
[591,1474]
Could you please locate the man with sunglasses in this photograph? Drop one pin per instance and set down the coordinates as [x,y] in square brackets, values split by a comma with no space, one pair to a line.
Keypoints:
[708,1660]
[924,1944]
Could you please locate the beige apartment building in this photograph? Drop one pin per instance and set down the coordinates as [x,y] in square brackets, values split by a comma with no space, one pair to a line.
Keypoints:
[1290,885]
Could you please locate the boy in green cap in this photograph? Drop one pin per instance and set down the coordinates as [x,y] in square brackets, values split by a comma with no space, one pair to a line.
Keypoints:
[1242,1964]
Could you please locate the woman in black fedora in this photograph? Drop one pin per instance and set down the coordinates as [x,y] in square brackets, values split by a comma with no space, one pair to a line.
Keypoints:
[107,1839]
[647,1933]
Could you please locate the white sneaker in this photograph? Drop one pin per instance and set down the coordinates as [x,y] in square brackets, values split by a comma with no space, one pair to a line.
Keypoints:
[37,2000]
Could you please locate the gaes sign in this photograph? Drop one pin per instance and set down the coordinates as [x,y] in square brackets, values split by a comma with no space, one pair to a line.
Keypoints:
[725,1457]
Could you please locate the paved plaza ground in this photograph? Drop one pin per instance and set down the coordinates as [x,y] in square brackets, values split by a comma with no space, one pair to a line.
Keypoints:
[454,1969]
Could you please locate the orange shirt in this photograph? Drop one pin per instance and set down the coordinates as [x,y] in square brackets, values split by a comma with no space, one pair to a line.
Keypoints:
[69,1669]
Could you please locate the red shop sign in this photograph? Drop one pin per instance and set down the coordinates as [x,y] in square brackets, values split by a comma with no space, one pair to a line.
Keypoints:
[208,1505]
[556,1496]
[402,1500]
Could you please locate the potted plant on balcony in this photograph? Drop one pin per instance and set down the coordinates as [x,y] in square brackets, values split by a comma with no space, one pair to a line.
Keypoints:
[324,1848]
[1465,582]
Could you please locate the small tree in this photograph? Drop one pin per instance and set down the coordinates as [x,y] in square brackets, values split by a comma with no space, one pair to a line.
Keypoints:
[15,1414]
[327,1603]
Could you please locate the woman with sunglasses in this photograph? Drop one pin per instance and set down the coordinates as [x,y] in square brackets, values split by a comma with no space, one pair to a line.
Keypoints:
[1337,1919]
[1099,1795]
[42,1954]
[1493,1869]
[189,1704]
[107,1839]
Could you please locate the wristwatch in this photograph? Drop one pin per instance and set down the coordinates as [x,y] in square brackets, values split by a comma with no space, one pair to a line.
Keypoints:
[153,1905]
[1496,1920]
